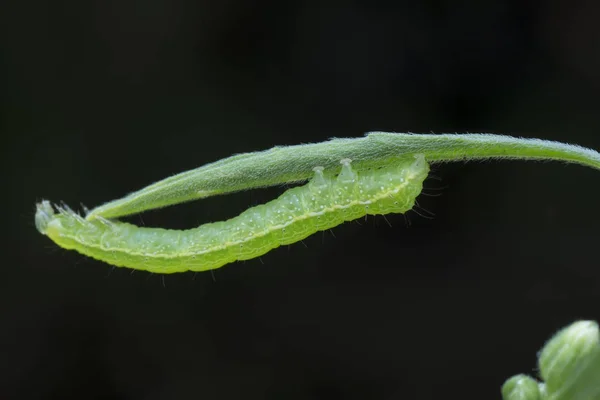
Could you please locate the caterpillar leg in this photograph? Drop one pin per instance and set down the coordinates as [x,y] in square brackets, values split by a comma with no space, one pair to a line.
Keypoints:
[347,174]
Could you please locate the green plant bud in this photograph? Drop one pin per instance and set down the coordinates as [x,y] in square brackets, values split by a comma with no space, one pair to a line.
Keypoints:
[569,363]
[521,387]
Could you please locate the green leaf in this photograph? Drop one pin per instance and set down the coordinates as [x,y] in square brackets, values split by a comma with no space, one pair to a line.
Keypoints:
[288,164]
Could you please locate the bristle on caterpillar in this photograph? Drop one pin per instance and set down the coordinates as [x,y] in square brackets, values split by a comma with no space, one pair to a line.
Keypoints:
[323,203]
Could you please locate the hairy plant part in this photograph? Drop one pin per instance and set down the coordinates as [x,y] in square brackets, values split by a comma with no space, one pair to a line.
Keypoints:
[287,164]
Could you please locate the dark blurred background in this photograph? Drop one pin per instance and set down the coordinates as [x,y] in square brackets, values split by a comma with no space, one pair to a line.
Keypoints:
[100,98]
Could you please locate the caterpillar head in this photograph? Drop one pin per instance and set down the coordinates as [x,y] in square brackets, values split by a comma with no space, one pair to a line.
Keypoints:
[43,216]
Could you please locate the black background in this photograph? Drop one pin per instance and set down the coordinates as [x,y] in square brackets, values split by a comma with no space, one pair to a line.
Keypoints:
[100,98]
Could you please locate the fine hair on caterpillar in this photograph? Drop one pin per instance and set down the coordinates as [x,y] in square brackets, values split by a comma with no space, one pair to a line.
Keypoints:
[326,201]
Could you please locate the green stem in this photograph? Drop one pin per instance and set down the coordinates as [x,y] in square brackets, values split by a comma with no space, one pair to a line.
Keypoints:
[288,164]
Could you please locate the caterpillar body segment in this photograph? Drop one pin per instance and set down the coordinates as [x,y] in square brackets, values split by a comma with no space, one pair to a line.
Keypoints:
[321,204]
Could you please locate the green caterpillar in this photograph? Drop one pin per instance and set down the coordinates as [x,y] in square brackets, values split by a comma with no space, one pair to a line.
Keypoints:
[323,203]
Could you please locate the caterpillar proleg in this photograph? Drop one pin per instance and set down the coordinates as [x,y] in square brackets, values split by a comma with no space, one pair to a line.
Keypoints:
[323,203]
